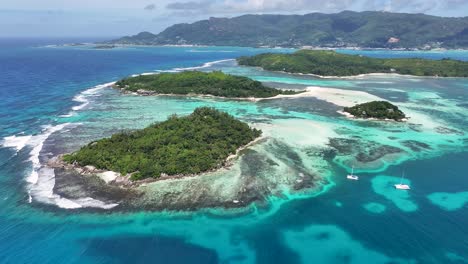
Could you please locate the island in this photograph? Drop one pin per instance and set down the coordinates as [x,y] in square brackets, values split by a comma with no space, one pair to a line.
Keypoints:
[187,145]
[214,83]
[331,63]
[104,46]
[382,110]
[369,29]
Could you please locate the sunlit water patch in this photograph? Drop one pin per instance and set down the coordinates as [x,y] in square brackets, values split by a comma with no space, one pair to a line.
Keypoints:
[384,185]
[330,244]
[449,201]
[375,208]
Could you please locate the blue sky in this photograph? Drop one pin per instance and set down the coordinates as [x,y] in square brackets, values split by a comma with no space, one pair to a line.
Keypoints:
[35,18]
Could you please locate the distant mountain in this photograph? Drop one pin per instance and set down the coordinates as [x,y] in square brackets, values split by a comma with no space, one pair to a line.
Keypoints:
[345,29]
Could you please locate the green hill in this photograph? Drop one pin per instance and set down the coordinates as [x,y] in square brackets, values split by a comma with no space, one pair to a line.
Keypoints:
[376,109]
[358,29]
[181,145]
[195,82]
[331,63]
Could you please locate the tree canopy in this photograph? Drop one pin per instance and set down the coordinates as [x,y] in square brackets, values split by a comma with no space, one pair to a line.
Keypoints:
[195,82]
[376,109]
[184,145]
[331,63]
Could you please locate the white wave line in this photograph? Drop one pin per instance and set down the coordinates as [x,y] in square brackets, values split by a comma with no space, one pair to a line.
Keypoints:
[205,65]
[83,97]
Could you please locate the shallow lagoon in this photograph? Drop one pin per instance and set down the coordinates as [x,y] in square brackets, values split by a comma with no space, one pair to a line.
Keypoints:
[373,222]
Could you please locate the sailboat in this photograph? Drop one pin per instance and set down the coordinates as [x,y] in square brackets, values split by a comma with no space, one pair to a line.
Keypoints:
[401,186]
[352,176]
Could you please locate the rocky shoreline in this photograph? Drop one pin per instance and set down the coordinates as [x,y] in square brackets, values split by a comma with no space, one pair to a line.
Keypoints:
[351,116]
[142,92]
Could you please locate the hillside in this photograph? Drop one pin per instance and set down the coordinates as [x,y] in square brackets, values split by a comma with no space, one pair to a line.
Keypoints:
[345,29]
[200,83]
[331,63]
[181,145]
[376,109]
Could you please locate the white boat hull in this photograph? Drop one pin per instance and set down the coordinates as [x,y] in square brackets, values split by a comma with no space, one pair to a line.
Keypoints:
[402,187]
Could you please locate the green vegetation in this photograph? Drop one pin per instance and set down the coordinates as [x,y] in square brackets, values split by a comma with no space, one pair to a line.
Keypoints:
[376,109]
[195,82]
[180,145]
[331,63]
[344,29]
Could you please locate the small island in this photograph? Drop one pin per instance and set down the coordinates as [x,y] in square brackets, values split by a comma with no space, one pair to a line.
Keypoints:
[331,63]
[103,46]
[199,83]
[377,109]
[199,142]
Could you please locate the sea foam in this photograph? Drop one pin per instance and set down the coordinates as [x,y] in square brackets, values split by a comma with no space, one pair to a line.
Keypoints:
[175,70]
[83,97]
[43,192]
[42,178]
[37,142]
[16,142]
[205,65]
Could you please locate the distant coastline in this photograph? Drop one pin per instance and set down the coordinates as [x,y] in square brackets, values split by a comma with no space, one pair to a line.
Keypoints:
[363,48]
[347,29]
[375,74]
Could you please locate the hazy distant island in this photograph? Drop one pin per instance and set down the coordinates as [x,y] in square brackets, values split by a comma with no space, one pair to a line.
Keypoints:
[331,63]
[199,83]
[104,46]
[381,110]
[369,29]
[199,142]
[74,44]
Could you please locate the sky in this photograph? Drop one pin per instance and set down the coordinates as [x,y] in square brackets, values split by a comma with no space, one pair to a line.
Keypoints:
[91,18]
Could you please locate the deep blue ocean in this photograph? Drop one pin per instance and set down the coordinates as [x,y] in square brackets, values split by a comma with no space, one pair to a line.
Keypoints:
[345,223]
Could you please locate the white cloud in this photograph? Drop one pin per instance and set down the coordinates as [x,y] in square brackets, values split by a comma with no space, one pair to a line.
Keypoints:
[191,5]
[254,6]
[150,7]
[220,7]
[81,4]
[439,7]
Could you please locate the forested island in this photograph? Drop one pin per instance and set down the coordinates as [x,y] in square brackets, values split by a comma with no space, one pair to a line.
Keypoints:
[186,145]
[331,63]
[376,109]
[199,83]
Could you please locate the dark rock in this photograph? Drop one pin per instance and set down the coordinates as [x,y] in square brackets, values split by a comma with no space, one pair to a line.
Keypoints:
[416,146]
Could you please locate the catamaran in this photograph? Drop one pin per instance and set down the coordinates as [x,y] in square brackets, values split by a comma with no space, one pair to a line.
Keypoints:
[401,186]
[352,176]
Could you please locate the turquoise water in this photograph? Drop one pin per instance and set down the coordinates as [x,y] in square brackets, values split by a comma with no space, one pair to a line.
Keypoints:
[51,105]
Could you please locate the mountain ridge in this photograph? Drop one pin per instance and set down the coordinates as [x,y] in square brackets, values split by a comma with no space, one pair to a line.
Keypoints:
[368,29]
